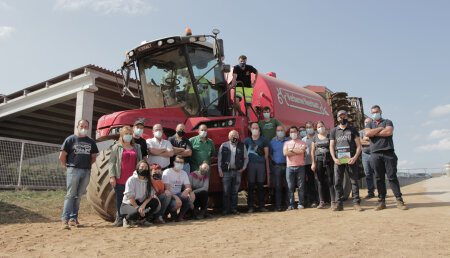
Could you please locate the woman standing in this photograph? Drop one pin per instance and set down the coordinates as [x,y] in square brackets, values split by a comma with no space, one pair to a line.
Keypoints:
[139,200]
[125,155]
[322,165]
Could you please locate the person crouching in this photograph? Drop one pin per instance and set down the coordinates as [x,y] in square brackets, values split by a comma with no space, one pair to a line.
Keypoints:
[139,200]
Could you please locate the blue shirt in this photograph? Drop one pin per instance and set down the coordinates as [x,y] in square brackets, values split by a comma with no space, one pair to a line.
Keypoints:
[276,150]
[253,157]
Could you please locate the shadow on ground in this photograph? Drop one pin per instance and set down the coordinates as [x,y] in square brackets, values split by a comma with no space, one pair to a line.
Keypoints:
[11,214]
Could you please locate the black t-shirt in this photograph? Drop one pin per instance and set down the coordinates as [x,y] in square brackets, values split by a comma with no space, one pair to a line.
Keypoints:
[184,143]
[79,150]
[378,143]
[141,141]
[244,75]
[322,148]
[344,139]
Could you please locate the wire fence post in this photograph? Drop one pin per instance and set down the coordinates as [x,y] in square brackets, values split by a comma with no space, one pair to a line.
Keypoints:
[20,163]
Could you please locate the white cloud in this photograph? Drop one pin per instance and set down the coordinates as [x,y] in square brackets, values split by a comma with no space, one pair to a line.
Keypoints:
[105,6]
[441,110]
[405,164]
[5,31]
[441,145]
[439,134]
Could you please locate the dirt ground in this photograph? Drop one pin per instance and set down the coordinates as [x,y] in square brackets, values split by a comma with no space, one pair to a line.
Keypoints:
[421,231]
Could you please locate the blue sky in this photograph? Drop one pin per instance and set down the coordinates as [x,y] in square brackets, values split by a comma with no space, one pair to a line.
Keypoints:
[392,53]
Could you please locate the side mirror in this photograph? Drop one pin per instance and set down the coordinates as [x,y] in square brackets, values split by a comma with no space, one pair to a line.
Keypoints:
[218,48]
[126,74]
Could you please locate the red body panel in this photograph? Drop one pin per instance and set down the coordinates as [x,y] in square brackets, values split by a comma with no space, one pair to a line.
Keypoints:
[291,104]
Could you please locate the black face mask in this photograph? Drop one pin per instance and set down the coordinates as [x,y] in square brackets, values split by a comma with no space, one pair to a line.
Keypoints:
[343,121]
[203,172]
[157,176]
[234,140]
[143,172]
[180,133]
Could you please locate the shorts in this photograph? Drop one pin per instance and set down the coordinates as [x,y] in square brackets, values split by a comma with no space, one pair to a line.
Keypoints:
[248,94]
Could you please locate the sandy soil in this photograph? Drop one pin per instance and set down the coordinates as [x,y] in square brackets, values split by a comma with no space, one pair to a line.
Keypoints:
[421,231]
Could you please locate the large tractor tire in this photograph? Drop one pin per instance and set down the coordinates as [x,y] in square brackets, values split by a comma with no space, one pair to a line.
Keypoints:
[100,193]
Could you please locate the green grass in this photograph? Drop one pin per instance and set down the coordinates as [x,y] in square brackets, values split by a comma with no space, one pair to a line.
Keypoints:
[18,206]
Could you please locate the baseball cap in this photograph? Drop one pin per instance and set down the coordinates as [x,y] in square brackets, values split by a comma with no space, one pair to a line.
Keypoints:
[139,122]
[340,112]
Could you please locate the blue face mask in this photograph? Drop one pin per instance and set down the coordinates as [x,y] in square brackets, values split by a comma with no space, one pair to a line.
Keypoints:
[280,134]
[303,133]
[241,64]
[178,166]
[376,116]
[309,131]
[127,138]
[266,115]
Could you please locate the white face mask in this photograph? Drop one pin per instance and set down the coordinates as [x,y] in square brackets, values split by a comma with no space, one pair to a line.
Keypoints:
[127,138]
[178,166]
[321,129]
[138,132]
[293,136]
[82,131]
[157,134]
[203,134]
[255,132]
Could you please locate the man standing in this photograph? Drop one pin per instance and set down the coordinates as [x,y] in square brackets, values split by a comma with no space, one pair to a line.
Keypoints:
[160,150]
[311,195]
[268,130]
[138,130]
[232,161]
[368,170]
[258,155]
[278,164]
[302,130]
[345,148]
[77,154]
[382,157]
[181,147]
[242,73]
[294,150]
[202,148]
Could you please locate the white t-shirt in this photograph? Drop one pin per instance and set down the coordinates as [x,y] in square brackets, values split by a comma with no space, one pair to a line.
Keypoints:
[175,179]
[154,143]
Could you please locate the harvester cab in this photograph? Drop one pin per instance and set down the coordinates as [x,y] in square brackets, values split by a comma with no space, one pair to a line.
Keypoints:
[181,71]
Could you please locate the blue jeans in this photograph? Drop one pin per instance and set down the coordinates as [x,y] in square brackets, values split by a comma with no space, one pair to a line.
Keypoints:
[296,175]
[77,180]
[279,172]
[185,206]
[119,189]
[368,170]
[231,181]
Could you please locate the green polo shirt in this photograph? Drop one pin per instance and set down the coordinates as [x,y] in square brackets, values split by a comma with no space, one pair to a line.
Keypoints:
[201,151]
[269,129]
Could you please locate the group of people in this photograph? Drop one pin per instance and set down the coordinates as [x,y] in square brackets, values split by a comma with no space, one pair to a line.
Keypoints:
[157,178]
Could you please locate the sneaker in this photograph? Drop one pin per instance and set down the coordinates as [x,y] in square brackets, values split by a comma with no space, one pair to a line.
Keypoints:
[313,205]
[289,208]
[357,207]
[262,209]
[381,205]
[250,210]
[118,222]
[401,205]
[333,204]
[338,207]
[279,209]
[300,207]
[159,220]
[125,223]
[180,218]
[65,225]
[321,205]
[235,212]
[145,223]
[369,196]
[75,223]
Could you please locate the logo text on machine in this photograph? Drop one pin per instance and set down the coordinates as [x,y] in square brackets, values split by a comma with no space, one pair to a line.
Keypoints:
[300,101]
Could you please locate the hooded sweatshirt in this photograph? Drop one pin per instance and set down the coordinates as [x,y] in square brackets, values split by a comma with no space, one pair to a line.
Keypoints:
[136,188]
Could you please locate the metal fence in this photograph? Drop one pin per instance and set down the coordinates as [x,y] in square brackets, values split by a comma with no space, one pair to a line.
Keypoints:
[30,164]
